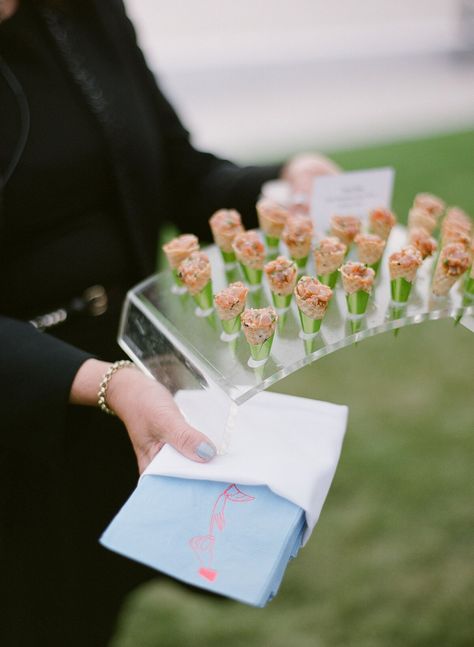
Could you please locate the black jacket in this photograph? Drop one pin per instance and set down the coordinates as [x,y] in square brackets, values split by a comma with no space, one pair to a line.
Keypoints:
[159,176]
[64,471]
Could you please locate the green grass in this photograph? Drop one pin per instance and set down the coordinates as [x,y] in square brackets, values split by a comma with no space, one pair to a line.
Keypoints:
[390,561]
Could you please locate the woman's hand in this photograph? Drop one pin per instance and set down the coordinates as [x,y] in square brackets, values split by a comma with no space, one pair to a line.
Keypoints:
[301,170]
[146,408]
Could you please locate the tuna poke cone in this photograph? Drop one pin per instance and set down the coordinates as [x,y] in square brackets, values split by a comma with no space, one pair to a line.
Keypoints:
[381,222]
[370,249]
[204,301]
[176,251]
[403,266]
[250,253]
[297,235]
[229,304]
[328,258]
[281,275]
[225,225]
[259,329]
[357,280]
[195,273]
[423,242]
[312,299]
[430,203]
[345,228]
[418,217]
[453,261]
[271,217]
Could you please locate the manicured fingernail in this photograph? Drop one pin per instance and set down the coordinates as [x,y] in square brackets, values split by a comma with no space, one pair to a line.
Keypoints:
[205,451]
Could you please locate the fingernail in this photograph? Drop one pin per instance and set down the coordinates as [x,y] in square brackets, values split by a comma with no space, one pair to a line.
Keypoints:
[205,451]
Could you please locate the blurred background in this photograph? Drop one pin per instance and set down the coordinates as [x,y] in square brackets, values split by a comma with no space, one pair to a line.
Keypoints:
[264,77]
[371,83]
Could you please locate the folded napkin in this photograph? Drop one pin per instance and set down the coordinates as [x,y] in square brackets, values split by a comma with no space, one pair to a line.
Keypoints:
[232,525]
[290,444]
[230,539]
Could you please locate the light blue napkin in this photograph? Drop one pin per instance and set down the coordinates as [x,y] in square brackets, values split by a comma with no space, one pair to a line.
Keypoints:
[235,540]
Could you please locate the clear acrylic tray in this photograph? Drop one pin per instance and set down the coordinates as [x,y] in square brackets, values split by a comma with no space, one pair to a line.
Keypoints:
[162,334]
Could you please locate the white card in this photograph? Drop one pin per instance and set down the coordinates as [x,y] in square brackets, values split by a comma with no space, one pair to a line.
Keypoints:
[353,193]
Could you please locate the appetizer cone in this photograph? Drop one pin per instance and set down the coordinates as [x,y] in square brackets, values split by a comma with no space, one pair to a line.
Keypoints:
[250,253]
[381,222]
[418,217]
[195,273]
[453,261]
[312,298]
[357,280]
[176,251]
[456,227]
[281,275]
[225,225]
[297,236]
[423,242]
[259,329]
[430,203]
[230,303]
[403,266]
[345,228]
[272,218]
[328,258]
[370,249]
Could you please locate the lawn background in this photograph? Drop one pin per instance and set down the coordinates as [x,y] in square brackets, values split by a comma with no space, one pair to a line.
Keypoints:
[391,560]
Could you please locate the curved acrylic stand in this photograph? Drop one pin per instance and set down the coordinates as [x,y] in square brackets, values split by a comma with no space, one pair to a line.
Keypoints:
[161,333]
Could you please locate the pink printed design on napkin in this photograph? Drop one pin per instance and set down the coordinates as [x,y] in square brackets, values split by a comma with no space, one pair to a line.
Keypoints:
[203,545]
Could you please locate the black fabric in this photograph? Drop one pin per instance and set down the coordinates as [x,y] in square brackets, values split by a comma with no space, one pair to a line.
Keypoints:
[107,162]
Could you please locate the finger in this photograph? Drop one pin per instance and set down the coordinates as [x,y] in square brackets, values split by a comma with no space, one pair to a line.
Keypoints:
[174,430]
[187,440]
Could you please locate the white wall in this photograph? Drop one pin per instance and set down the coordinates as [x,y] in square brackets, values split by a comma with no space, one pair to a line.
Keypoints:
[261,78]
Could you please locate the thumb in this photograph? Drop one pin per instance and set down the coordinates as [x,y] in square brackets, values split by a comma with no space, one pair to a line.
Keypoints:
[186,439]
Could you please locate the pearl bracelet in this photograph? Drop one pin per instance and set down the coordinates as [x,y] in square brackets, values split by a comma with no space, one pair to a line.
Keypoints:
[104,384]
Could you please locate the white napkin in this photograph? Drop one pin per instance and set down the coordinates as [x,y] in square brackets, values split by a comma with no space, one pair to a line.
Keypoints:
[288,443]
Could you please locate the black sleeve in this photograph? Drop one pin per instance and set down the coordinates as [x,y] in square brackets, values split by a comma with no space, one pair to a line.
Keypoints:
[199,182]
[36,374]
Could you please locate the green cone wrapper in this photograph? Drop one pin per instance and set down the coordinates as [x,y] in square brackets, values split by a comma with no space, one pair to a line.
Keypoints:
[260,353]
[281,302]
[400,289]
[252,276]
[375,266]
[329,279]
[357,302]
[309,326]
[228,257]
[271,242]
[300,262]
[178,287]
[204,301]
[469,286]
